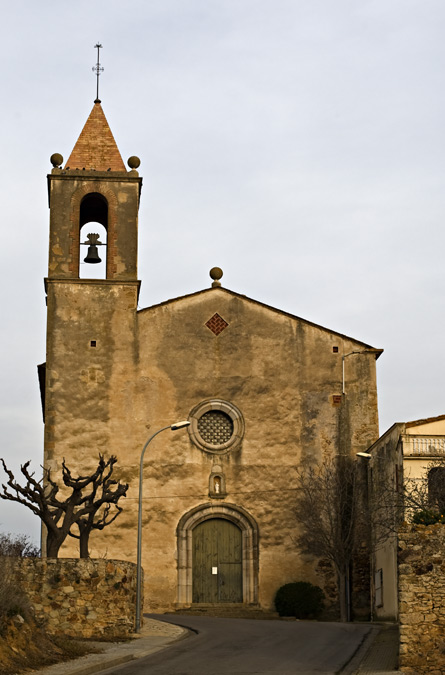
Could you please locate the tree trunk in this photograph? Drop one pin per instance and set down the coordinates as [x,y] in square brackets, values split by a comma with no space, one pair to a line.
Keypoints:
[344,594]
[53,544]
[83,543]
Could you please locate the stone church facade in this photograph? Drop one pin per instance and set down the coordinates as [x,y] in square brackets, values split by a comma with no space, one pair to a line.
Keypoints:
[265,391]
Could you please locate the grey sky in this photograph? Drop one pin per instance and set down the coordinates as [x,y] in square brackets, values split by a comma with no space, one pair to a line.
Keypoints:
[297,144]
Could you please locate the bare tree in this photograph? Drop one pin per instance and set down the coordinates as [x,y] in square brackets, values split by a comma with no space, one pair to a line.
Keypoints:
[336,507]
[424,497]
[394,498]
[13,600]
[330,507]
[18,546]
[41,498]
[80,508]
[96,506]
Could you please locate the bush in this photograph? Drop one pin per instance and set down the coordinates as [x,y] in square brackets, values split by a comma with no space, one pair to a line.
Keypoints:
[13,600]
[300,599]
[426,517]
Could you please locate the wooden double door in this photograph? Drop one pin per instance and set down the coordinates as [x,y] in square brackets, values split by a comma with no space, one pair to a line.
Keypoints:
[217,562]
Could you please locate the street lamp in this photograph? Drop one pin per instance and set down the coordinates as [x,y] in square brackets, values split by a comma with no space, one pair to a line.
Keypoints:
[172,427]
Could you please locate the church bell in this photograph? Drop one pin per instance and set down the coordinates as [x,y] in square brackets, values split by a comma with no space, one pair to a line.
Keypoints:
[93,254]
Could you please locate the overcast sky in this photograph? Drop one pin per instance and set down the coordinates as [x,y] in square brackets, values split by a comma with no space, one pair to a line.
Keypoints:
[297,144]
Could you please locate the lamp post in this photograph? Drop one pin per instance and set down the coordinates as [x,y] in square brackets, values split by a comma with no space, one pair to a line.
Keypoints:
[172,427]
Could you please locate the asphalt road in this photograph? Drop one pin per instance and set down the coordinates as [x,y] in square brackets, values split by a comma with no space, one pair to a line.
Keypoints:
[247,647]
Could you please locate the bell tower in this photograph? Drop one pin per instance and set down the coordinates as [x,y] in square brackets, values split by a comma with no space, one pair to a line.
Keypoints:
[91,323]
[94,186]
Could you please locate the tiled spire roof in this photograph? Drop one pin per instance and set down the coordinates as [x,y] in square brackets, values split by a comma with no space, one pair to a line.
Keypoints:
[96,147]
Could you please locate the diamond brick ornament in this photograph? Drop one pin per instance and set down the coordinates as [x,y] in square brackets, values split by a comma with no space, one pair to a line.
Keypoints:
[216,324]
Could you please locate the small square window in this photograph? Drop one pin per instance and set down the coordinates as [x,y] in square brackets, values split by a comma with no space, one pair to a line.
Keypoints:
[335,350]
[93,343]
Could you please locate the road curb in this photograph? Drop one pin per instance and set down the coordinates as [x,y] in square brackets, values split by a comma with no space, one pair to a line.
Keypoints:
[96,668]
[356,659]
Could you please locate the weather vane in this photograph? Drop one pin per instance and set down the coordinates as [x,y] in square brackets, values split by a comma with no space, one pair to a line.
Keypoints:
[98,70]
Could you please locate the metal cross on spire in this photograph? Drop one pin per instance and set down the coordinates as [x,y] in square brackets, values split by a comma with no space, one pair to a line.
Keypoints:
[98,70]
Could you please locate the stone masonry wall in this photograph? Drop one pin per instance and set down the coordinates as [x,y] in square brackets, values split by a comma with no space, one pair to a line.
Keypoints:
[81,598]
[422,599]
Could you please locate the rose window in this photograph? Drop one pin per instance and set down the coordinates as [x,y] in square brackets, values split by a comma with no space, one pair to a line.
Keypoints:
[215,427]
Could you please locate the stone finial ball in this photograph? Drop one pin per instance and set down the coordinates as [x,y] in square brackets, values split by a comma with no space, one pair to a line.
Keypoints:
[56,159]
[216,273]
[133,162]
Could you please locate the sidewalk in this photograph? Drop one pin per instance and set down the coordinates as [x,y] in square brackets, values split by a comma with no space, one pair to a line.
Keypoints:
[378,655]
[154,636]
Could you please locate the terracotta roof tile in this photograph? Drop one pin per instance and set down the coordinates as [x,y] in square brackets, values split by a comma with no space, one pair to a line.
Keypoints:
[426,420]
[96,148]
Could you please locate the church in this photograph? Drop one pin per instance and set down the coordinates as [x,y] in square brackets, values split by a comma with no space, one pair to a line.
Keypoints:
[265,392]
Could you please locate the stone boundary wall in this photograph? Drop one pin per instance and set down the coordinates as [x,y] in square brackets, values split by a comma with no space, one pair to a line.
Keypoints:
[421,562]
[81,597]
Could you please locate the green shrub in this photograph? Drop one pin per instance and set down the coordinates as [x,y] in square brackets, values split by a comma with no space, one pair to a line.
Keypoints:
[300,599]
[427,517]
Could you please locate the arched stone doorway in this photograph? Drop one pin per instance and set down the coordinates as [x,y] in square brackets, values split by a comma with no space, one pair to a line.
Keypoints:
[217,573]
[248,568]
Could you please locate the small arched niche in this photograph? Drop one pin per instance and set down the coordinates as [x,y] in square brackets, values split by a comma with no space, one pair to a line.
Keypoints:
[217,483]
[93,221]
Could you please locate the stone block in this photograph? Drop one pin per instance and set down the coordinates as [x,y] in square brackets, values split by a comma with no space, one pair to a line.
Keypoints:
[430,617]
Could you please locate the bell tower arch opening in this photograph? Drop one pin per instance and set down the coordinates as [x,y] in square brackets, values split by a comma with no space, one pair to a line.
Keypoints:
[93,224]
[94,208]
